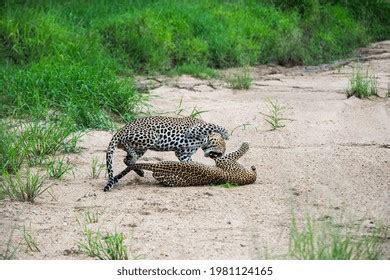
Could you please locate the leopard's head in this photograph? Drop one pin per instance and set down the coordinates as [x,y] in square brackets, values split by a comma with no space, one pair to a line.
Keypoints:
[215,146]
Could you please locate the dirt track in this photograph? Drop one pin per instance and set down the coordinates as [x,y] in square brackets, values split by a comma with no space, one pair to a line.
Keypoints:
[332,159]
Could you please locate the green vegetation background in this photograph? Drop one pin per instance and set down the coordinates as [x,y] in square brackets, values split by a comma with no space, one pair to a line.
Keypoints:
[70,63]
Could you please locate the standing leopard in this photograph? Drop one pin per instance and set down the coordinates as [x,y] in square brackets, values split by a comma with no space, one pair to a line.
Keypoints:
[183,174]
[184,136]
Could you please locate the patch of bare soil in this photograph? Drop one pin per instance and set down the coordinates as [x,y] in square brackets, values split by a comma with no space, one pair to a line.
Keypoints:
[332,159]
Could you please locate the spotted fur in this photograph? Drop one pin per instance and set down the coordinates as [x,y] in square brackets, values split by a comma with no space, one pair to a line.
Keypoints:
[184,136]
[182,174]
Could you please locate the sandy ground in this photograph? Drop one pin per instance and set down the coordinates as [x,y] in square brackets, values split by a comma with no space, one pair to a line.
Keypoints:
[330,161]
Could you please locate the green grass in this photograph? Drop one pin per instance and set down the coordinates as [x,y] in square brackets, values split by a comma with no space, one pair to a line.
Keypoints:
[96,168]
[328,242]
[76,59]
[12,155]
[91,217]
[195,112]
[227,185]
[31,243]
[240,81]
[275,115]
[109,246]
[9,252]
[361,84]
[195,70]
[22,187]
[33,142]
[58,168]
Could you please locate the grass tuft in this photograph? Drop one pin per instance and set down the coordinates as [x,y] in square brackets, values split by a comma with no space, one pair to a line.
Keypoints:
[31,244]
[57,168]
[195,70]
[241,81]
[362,85]
[195,113]
[22,187]
[104,247]
[275,115]
[96,168]
[91,217]
[9,250]
[329,243]
[34,142]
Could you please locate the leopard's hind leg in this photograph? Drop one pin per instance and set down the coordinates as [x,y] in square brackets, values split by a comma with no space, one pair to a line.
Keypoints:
[131,157]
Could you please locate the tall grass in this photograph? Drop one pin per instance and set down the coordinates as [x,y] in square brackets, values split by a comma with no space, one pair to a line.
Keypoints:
[22,187]
[49,64]
[109,246]
[361,84]
[9,252]
[31,143]
[326,242]
[241,80]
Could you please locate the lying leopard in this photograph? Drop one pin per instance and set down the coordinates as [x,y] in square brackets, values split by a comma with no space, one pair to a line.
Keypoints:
[182,174]
[184,136]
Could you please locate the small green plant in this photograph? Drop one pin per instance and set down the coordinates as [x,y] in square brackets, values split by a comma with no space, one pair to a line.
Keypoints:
[227,185]
[96,168]
[275,116]
[241,81]
[43,139]
[22,187]
[329,243]
[362,85]
[195,113]
[91,217]
[388,90]
[57,168]
[12,154]
[9,250]
[104,247]
[31,244]
[195,70]
[70,145]
[242,126]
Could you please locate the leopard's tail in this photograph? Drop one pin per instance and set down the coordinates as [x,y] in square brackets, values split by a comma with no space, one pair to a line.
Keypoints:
[109,154]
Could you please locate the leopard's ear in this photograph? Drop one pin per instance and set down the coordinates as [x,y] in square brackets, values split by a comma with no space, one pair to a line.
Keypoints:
[202,130]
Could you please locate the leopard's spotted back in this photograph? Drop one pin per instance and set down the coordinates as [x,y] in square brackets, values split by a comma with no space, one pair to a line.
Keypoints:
[181,174]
